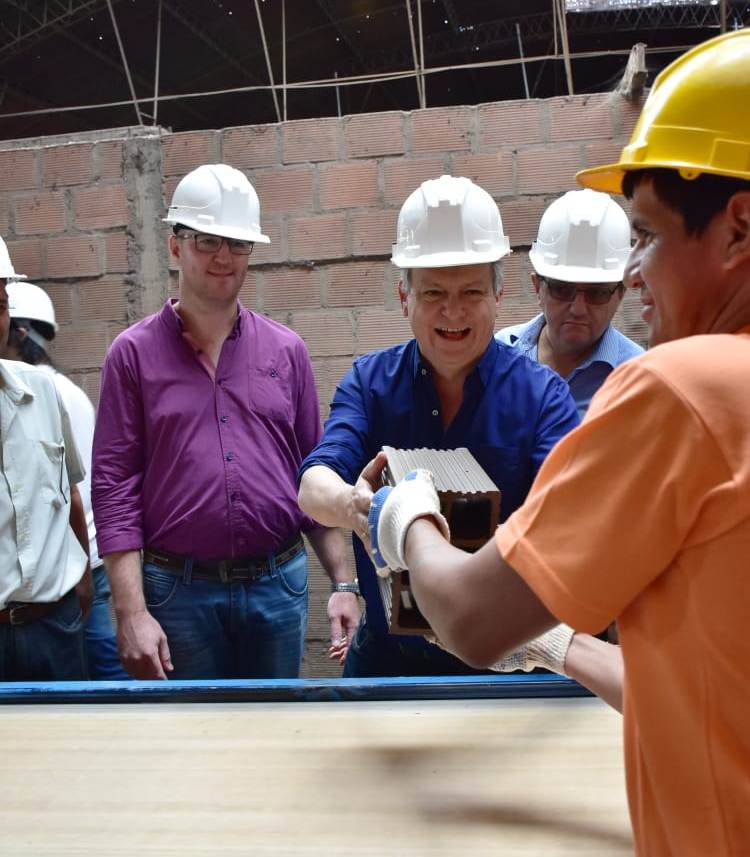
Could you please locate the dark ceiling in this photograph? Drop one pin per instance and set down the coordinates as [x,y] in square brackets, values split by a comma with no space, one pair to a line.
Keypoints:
[65,53]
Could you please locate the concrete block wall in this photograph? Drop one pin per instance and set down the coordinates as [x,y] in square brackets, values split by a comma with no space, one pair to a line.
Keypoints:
[81,216]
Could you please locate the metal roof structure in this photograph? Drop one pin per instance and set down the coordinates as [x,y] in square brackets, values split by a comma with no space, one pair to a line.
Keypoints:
[77,65]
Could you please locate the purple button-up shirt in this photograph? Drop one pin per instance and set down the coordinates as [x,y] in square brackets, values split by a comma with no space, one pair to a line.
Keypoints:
[197,465]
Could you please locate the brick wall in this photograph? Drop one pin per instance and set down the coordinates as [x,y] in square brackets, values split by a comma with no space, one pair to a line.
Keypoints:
[81,218]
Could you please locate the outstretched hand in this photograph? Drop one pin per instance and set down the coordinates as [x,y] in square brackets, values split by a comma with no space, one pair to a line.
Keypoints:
[368,482]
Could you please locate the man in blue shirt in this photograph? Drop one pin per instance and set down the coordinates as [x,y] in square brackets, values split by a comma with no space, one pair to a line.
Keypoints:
[578,258]
[451,386]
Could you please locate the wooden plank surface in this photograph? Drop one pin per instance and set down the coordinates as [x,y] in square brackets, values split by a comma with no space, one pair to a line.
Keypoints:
[479,777]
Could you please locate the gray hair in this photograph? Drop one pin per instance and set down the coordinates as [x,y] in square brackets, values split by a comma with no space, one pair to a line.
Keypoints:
[497,277]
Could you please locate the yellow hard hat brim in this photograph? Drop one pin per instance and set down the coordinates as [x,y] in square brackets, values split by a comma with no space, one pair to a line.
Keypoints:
[607,178]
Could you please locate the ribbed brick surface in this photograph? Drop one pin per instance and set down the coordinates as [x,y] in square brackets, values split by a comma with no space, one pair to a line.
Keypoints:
[285,191]
[404,175]
[4,216]
[521,218]
[40,213]
[183,152]
[441,129]
[249,292]
[79,348]
[102,300]
[249,148]
[115,252]
[266,254]
[289,288]
[73,256]
[516,282]
[349,185]
[27,257]
[356,284]
[373,231]
[319,237]
[67,165]
[377,328]
[580,118]
[100,207]
[18,170]
[510,123]
[62,299]
[108,160]
[310,140]
[326,334]
[374,134]
[549,170]
[600,153]
[493,171]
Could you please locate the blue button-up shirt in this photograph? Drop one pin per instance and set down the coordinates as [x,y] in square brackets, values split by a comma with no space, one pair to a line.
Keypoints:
[513,412]
[612,349]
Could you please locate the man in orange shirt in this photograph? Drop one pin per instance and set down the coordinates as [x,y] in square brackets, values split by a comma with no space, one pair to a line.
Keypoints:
[642,514]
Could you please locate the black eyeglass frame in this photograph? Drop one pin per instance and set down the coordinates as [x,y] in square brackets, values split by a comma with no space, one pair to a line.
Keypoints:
[236,245]
[594,295]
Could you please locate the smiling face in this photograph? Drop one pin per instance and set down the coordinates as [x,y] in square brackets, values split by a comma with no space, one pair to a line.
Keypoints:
[452,314]
[677,273]
[574,328]
[207,279]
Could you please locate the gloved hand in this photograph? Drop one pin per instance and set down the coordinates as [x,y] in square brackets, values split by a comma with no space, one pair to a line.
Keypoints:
[392,512]
[547,651]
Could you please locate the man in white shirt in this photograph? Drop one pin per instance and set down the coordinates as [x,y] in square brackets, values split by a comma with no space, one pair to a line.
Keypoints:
[45,579]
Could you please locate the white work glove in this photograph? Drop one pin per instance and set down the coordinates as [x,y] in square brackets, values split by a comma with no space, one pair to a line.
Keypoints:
[393,510]
[547,651]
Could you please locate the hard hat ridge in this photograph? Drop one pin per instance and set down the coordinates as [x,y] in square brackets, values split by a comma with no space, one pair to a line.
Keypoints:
[29,301]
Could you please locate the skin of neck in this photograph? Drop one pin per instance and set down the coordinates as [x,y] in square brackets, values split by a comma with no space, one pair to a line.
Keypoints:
[563,364]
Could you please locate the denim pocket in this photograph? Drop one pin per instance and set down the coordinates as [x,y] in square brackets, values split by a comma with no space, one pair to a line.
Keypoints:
[293,574]
[67,617]
[159,587]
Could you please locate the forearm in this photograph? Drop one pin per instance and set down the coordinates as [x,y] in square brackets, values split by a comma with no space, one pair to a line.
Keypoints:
[598,666]
[324,496]
[329,545]
[126,580]
[475,603]
[78,518]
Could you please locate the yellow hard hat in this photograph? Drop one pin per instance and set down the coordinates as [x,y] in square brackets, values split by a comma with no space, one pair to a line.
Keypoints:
[695,120]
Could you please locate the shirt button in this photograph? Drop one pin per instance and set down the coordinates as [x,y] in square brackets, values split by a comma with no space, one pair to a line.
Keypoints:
[223,418]
[229,456]
[435,413]
[424,371]
[272,373]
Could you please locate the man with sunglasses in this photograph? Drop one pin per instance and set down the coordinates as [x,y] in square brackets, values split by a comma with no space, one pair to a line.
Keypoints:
[206,412]
[578,259]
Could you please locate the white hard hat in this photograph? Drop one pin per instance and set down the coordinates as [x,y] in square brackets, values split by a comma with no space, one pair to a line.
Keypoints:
[25,300]
[218,199]
[584,237]
[7,271]
[448,221]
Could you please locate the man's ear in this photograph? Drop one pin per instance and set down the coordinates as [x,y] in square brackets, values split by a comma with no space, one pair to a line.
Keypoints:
[737,217]
[402,296]
[535,284]
[174,247]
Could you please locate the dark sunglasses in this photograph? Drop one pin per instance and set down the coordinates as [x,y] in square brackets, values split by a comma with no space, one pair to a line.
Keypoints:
[205,243]
[595,295]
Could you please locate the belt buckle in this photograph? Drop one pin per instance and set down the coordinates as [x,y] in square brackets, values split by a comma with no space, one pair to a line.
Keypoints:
[12,614]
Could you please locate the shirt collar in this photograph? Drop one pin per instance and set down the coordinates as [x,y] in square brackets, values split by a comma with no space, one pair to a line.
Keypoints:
[12,383]
[484,368]
[606,350]
[172,318]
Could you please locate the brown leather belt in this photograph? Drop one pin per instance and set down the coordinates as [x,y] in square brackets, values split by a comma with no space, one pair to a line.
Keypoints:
[21,613]
[225,570]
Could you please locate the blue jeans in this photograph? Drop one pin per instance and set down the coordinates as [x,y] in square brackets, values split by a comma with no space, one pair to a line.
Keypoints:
[372,654]
[99,635]
[240,629]
[46,649]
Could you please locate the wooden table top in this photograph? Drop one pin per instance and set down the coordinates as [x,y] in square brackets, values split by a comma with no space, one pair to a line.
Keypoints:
[456,777]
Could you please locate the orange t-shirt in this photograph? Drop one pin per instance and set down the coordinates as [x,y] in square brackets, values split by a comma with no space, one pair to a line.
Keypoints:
[643,514]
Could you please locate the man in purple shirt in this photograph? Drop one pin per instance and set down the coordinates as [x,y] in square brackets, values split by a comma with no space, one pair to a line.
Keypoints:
[206,412]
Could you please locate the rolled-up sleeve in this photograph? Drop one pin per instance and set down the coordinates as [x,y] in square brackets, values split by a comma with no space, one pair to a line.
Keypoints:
[118,456]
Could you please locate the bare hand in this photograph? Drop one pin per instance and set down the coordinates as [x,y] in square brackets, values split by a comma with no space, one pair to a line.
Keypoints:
[85,591]
[368,482]
[143,647]
[343,614]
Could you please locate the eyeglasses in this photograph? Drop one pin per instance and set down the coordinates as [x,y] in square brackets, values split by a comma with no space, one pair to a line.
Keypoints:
[595,295]
[205,243]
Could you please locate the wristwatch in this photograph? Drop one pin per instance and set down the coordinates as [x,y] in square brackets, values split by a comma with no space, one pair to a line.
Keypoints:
[353,586]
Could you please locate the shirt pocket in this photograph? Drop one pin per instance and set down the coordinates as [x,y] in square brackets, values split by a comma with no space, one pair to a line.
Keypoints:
[269,394]
[52,475]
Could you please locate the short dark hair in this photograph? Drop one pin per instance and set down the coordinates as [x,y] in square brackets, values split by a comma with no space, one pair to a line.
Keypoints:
[28,350]
[698,200]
